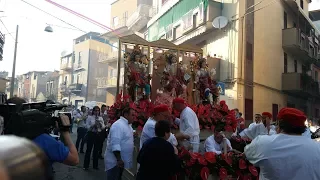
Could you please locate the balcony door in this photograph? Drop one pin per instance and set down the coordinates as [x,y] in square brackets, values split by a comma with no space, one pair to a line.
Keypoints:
[275,110]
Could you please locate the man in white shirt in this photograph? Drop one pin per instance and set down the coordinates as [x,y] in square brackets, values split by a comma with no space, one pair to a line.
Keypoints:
[160,112]
[257,120]
[80,119]
[286,155]
[120,145]
[217,143]
[260,129]
[188,125]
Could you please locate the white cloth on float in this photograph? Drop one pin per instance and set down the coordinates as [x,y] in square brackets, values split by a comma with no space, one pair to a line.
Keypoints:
[120,138]
[254,131]
[284,157]
[189,125]
[212,146]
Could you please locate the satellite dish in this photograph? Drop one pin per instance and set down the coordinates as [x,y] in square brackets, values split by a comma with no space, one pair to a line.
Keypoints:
[220,22]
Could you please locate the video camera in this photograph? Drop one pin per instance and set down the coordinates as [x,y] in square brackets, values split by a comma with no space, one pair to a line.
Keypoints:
[31,119]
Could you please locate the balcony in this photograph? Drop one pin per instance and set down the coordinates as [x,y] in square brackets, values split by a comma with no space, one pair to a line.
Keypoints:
[140,17]
[120,24]
[75,87]
[78,67]
[298,84]
[108,58]
[105,83]
[66,67]
[299,45]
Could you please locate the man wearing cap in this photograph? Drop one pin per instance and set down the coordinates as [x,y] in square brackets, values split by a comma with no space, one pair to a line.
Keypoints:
[257,120]
[286,155]
[260,129]
[160,112]
[188,125]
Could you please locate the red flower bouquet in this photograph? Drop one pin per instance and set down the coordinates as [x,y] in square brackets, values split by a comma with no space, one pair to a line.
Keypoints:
[143,109]
[239,143]
[217,116]
[230,166]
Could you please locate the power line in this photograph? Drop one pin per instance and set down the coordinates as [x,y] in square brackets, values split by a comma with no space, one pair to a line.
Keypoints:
[53,16]
[7,30]
[63,21]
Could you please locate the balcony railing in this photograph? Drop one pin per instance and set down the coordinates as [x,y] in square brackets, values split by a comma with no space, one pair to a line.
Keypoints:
[298,44]
[107,58]
[140,17]
[66,66]
[75,87]
[299,84]
[105,82]
[121,23]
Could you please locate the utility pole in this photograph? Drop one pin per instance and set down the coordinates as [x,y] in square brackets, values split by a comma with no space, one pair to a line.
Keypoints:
[14,63]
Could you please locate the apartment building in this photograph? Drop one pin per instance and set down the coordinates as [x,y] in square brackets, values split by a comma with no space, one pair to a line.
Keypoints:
[52,86]
[266,50]
[80,70]
[127,17]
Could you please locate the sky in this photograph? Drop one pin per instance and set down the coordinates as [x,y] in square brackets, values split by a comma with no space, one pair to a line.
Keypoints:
[39,50]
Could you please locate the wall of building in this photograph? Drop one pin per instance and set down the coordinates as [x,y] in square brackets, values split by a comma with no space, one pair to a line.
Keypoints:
[119,8]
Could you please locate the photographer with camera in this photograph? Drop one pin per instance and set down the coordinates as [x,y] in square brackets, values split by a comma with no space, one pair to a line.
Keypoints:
[55,150]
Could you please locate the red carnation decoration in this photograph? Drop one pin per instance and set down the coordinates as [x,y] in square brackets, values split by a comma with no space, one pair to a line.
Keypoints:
[202,161]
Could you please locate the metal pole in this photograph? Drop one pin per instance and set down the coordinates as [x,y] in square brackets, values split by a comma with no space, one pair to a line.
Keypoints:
[14,63]
[119,68]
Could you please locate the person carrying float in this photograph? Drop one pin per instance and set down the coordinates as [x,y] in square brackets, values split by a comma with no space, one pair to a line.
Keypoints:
[160,112]
[188,125]
[260,129]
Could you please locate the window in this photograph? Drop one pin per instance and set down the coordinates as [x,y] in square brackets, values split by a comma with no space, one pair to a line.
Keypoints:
[169,31]
[285,20]
[304,69]
[295,66]
[249,50]
[65,80]
[275,109]
[115,21]
[34,77]
[187,20]
[177,32]
[111,73]
[285,62]
[80,58]
[195,20]
[78,78]
[301,4]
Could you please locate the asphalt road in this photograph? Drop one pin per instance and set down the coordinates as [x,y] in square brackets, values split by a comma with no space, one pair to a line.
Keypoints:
[64,172]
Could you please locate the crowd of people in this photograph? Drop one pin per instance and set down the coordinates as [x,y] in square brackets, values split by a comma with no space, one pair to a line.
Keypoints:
[282,148]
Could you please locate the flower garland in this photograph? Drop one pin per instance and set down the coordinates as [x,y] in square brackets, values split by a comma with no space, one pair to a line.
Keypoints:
[232,165]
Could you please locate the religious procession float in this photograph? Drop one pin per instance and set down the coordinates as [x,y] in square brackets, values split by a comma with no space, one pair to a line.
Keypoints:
[156,73]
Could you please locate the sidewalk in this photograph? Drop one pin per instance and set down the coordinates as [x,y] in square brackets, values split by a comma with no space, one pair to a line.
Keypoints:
[63,172]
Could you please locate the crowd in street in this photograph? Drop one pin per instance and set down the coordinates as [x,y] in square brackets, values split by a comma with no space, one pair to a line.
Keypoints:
[281,148]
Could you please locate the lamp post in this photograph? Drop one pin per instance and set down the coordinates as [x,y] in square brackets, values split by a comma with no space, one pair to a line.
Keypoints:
[14,63]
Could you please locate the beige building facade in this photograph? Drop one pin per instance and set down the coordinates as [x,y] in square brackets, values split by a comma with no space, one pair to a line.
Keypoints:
[266,50]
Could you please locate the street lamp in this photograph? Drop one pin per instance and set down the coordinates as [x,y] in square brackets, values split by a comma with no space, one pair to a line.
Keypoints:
[48,29]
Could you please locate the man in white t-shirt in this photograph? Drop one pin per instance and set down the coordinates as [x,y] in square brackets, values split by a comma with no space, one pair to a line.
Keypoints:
[160,112]
[217,143]
[264,128]
[188,125]
[257,120]
[288,154]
